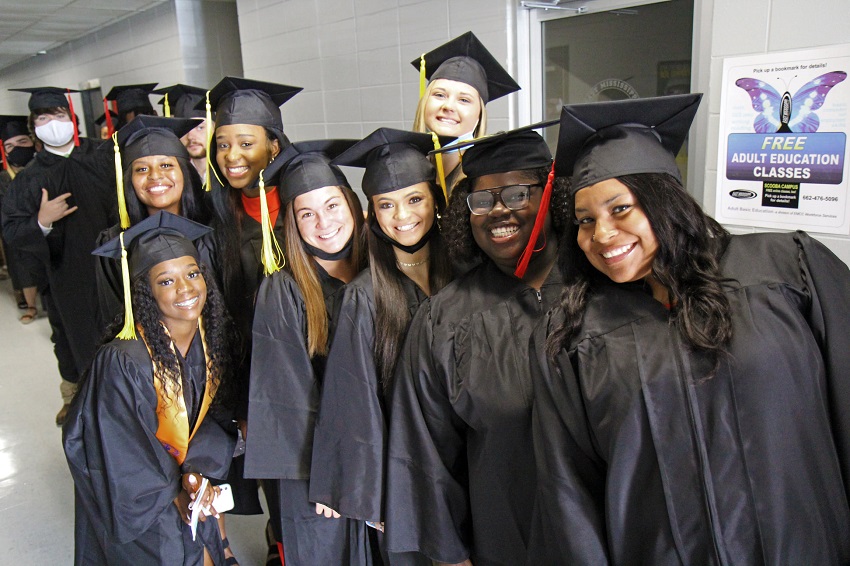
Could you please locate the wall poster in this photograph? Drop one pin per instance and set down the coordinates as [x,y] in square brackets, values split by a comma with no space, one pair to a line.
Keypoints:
[783,158]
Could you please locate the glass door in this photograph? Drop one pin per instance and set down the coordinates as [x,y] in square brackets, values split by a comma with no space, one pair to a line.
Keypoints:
[612,50]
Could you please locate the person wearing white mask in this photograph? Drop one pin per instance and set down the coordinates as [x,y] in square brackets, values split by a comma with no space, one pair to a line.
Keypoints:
[54,210]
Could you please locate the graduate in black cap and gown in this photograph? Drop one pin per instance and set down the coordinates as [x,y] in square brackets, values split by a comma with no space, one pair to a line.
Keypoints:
[182,101]
[25,271]
[691,389]
[464,76]
[144,429]
[129,101]
[55,210]
[460,477]
[155,175]
[294,324]
[408,262]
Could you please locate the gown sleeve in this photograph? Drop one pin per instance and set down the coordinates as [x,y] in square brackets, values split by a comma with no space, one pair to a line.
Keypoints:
[829,284]
[283,393]
[110,292]
[20,214]
[347,473]
[428,508]
[133,476]
[569,512]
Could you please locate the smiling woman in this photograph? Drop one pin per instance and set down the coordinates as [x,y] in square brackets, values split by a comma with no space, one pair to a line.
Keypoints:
[293,328]
[680,366]
[148,423]
[157,176]
[464,78]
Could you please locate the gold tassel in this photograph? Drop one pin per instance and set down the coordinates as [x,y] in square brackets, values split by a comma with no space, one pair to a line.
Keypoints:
[271,249]
[128,332]
[210,168]
[441,174]
[119,183]
[167,107]
[422,80]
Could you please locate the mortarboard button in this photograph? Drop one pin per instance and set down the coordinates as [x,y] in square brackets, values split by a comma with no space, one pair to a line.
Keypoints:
[393,159]
[46,97]
[465,59]
[306,166]
[131,97]
[603,140]
[182,100]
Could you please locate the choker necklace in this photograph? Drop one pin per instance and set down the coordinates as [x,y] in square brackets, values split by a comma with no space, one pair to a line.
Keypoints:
[414,264]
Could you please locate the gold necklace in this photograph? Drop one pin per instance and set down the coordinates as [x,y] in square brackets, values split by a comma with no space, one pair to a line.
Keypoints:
[414,264]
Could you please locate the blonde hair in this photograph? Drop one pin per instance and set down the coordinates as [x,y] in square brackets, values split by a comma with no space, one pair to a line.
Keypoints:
[303,270]
[419,119]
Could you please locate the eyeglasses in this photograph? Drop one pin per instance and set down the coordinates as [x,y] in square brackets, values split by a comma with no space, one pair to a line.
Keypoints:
[512,197]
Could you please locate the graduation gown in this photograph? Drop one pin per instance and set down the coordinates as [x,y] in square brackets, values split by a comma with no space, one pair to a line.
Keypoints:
[89,176]
[461,474]
[350,442]
[124,479]
[644,461]
[285,389]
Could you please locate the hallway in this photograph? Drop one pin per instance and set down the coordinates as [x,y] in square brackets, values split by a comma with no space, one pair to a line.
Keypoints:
[36,491]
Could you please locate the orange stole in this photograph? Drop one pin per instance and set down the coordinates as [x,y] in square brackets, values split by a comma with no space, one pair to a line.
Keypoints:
[173,430]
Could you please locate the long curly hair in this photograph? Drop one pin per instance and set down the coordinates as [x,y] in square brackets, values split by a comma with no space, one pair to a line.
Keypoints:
[392,316]
[690,244]
[457,230]
[218,331]
[193,204]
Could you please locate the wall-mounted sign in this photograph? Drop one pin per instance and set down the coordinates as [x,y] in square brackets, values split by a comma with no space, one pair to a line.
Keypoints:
[783,157]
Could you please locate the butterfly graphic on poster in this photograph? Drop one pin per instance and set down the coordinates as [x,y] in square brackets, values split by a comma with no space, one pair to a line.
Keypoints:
[785,113]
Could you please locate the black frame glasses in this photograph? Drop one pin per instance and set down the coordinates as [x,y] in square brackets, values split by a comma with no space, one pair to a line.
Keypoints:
[513,200]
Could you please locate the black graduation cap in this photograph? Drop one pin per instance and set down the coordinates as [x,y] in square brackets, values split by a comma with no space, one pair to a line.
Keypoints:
[245,101]
[46,97]
[154,135]
[182,100]
[101,120]
[514,150]
[13,126]
[393,159]
[465,59]
[155,239]
[131,97]
[306,166]
[603,140]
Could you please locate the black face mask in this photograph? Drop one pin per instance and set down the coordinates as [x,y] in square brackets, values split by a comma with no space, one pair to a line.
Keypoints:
[20,155]
[341,254]
[373,225]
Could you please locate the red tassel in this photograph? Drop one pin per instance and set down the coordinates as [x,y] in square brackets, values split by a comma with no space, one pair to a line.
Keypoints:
[109,127]
[542,211]
[115,106]
[280,549]
[3,155]
[73,119]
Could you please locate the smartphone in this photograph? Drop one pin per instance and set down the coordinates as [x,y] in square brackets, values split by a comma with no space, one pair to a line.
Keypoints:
[224,500]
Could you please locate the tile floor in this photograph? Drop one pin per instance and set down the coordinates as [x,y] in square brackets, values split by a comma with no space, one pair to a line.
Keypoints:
[36,491]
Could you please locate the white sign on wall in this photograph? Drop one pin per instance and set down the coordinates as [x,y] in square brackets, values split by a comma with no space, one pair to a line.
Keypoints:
[783,157]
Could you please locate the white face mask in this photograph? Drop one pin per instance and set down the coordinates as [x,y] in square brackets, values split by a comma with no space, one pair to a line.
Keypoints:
[55,133]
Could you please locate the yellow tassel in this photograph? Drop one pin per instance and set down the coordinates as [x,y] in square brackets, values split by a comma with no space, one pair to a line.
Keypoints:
[128,332]
[422,80]
[119,183]
[167,107]
[271,249]
[210,128]
[441,174]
